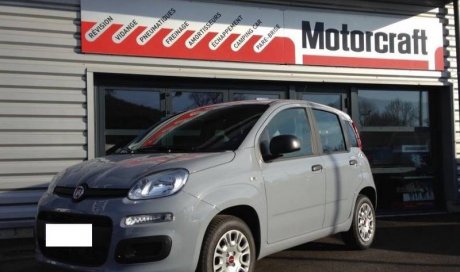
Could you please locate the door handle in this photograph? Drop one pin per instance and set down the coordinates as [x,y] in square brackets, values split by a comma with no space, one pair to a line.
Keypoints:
[353,162]
[316,168]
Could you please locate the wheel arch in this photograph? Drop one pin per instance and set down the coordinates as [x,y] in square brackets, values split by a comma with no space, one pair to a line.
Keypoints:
[250,217]
[351,236]
[370,193]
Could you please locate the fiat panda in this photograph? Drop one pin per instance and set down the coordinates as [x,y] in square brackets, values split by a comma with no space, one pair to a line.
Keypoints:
[212,189]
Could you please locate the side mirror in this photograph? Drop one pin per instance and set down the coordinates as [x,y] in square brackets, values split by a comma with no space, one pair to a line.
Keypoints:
[283,144]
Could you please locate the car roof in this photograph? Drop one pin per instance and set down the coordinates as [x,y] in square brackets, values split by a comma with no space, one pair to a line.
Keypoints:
[282,102]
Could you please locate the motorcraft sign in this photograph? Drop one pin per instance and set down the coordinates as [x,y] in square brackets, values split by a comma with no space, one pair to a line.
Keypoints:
[242,33]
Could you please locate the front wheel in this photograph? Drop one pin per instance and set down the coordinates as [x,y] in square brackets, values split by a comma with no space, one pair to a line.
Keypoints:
[362,230]
[228,246]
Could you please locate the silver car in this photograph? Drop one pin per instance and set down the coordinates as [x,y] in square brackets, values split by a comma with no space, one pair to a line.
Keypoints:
[215,189]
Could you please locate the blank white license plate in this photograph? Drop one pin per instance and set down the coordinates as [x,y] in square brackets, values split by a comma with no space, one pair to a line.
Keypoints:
[69,235]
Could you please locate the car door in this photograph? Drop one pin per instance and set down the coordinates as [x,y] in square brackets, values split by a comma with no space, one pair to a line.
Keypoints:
[339,165]
[295,186]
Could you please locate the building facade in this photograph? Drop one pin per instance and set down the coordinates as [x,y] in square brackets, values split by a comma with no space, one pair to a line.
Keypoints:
[80,78]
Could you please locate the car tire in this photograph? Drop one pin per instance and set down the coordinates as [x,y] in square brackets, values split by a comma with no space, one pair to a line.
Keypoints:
[362,231]
[227,244]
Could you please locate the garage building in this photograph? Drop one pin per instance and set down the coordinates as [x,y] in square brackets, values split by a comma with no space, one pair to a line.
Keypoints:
[79,78]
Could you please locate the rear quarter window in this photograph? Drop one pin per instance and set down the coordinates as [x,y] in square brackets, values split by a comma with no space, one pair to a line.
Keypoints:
[351,134]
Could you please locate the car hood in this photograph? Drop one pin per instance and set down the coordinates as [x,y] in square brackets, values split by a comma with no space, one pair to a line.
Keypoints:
[121,171]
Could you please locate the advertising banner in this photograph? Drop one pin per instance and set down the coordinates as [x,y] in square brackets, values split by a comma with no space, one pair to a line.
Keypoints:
[242,33]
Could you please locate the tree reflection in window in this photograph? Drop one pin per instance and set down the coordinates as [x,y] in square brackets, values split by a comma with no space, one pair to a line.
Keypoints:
[399,109]
[183,101]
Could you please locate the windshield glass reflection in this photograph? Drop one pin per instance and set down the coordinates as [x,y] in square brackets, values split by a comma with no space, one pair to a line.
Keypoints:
[212,128]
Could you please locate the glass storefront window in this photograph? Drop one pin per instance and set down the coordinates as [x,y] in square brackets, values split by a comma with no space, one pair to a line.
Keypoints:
[127,113]
[331,100]
[394,124]
[379,108]
[397,141]
[183,101]
[408,151]
[425,117]
[131,109]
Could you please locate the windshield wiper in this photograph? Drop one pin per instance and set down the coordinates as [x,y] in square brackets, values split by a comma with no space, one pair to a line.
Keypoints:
[125,150]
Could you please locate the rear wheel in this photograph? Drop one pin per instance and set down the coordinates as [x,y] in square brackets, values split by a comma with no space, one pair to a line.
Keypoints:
[362,230]
[228,246]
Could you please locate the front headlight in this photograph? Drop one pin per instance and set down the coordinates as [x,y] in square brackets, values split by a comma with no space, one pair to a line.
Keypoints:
[160,184]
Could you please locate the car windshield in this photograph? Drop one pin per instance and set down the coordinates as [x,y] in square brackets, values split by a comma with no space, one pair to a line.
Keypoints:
[213,128]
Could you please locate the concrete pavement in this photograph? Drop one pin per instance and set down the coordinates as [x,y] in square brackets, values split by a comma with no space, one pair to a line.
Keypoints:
[415,243]
[419,243]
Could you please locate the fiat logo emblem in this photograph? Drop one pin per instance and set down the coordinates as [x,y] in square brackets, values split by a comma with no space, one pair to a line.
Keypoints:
[79,192]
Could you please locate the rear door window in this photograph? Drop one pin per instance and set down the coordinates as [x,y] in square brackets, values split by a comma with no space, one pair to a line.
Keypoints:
[330,131]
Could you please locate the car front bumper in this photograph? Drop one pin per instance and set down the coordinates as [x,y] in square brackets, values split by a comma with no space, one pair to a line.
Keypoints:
[174,245]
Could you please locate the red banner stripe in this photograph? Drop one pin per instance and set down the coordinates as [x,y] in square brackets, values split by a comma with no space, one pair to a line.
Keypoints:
[365,62]
[280,50]
[439,59]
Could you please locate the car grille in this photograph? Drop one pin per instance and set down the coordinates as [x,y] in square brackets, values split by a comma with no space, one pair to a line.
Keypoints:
[84,256]
[91,192]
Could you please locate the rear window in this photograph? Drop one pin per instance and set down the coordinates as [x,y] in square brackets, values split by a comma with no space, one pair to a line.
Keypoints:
[351,135]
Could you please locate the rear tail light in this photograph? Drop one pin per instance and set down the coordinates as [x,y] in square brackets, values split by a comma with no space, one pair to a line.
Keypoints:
[358,138]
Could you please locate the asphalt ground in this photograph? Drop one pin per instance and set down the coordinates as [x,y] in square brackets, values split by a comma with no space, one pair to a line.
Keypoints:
[413,243]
